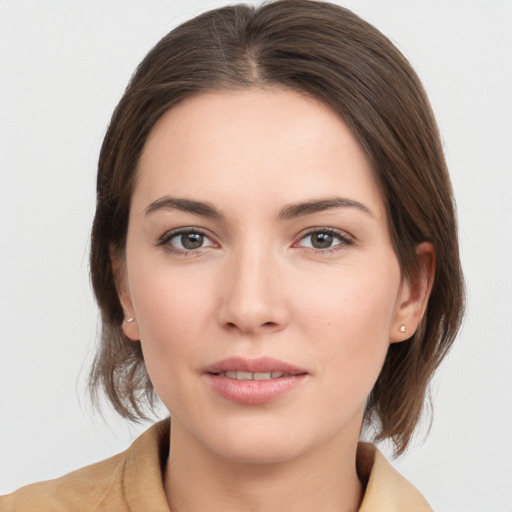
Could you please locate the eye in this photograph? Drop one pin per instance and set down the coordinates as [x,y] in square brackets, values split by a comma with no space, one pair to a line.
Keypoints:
[324,239]
[183,241]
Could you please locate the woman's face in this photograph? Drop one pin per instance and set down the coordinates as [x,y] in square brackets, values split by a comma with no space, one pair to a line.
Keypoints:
[261,274]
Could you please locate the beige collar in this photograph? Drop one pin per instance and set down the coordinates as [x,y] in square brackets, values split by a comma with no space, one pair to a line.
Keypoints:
[386,489]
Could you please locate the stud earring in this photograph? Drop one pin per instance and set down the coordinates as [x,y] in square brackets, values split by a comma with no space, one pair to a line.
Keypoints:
[402,328]
[129,320]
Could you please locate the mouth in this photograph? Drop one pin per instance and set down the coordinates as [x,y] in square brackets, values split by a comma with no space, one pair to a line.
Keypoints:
[261,368]
[251,376]
[253,381]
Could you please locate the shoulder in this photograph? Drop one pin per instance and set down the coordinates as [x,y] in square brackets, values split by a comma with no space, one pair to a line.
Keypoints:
[386,489]
[84,489]
[118,483]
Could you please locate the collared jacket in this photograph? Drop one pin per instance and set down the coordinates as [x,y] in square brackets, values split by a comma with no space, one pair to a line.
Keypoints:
[132,481]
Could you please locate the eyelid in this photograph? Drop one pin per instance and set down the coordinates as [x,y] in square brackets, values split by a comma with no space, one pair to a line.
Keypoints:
[163,241]
[345,238]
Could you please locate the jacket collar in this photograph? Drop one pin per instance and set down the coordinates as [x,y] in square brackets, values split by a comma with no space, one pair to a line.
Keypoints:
[386,490]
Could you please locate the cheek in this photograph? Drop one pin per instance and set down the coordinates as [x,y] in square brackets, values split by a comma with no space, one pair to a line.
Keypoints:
[352,297]
[171,308]
[349,315]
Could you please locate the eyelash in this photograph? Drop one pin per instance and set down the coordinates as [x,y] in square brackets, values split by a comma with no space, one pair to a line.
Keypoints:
[165,240]
[344,240]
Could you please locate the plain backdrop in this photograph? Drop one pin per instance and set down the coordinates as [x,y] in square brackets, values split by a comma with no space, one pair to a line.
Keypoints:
[63,67]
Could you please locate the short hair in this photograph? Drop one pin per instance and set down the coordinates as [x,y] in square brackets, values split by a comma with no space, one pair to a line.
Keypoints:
[328,53]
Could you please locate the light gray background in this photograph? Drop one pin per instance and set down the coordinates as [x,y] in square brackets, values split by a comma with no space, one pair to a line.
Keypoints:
[63,67]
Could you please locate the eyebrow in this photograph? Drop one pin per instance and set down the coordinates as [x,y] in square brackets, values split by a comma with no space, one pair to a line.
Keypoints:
[291,211]
[318,205]
[185,205]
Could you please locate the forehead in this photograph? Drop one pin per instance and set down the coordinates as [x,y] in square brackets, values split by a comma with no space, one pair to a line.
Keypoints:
[255,145]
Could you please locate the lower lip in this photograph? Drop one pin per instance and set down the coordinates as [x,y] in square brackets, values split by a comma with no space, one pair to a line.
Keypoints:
[253,392]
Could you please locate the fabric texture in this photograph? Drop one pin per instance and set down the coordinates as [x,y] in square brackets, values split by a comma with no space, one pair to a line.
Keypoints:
[132,481]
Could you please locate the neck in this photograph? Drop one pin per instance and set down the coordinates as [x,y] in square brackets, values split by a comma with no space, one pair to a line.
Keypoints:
[324,479]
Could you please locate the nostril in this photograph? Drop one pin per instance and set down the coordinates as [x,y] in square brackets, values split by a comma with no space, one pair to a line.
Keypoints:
[234,325]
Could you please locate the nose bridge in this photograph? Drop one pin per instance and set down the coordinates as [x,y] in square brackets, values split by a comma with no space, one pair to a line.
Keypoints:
[252,298]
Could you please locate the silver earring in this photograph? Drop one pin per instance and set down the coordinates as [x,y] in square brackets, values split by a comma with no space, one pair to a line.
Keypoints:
[402,328]
[129,320]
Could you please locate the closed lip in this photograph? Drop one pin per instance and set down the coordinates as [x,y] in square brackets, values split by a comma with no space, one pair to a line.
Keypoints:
[257,365]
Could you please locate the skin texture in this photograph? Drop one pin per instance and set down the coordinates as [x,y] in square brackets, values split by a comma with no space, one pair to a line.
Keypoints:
[258,286]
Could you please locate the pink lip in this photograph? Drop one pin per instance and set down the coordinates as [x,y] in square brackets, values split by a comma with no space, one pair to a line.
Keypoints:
[259,365]
[253,392]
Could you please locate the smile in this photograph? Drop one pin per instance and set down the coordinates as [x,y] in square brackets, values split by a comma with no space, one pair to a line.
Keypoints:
[251,376]
[253,381]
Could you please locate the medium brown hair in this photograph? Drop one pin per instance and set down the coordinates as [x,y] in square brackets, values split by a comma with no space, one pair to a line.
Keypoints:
[328,53]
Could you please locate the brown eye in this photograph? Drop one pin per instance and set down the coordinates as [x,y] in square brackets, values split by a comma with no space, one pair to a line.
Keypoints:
[185,241]
[191,240]
[321,240]
[324,239]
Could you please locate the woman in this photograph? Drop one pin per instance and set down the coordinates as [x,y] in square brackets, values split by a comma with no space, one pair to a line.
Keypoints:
[275,257]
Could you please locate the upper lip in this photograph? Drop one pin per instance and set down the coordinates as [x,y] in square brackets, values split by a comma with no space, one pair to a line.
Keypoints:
[258,365]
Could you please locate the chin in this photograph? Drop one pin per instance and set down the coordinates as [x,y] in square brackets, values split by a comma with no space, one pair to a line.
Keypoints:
[259,450]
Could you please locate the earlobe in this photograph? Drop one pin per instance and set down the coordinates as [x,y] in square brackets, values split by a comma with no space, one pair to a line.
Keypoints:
[131,329]
[129,325]
[414,294]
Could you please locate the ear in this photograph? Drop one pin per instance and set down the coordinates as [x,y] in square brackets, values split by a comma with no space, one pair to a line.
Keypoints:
[414,294]
[129,326]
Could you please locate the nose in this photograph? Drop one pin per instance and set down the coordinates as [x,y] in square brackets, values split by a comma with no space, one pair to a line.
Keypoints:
[253,298]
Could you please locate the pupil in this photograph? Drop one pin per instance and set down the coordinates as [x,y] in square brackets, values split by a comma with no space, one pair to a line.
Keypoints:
[322,240]
[192,240]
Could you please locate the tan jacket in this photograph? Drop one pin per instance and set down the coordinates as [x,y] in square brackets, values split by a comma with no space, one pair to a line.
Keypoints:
[132,481]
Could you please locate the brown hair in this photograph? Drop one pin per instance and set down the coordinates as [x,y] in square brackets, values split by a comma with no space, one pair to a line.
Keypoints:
[329,53]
